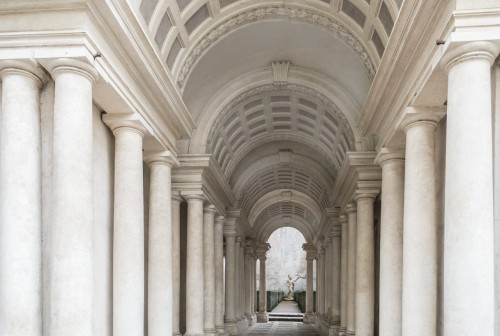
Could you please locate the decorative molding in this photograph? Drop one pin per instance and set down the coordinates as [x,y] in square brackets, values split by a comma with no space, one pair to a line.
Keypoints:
[285,156]
[280,72]
[309,16]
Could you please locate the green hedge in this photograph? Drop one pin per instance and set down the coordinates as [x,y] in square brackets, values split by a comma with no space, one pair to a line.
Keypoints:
[300,298]
[273,299]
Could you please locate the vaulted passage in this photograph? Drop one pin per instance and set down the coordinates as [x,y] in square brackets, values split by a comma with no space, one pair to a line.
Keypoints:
[180,167]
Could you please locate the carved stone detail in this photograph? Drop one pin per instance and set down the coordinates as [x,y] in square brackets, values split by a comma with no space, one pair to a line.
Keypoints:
[280,72]
[300,14]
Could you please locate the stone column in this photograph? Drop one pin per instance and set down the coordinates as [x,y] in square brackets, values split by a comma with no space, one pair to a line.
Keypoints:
[262,255]
[248,282]
[219,274]
[160,247]
[352,215]
[343,274]
[209,269]
[327,284]
[420,230]
[391,242]
[335,285]
[468,245]
[176,264]
[243,280]
[128,237]
[230,317]
[365,266]
[310,255]
[320,299]
[72,213]
[20,200]
[237,266]
[194,265]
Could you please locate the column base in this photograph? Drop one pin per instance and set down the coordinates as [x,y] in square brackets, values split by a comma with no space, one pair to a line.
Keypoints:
[220,329]
[231,328]
[176,333]
[194,334]
[210,332]
[262,318]
[341,331]
[252,319]
[334,329]
[350,333]
[309,318]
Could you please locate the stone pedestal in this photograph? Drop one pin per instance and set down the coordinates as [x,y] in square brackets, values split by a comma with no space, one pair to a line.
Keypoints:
[20,201]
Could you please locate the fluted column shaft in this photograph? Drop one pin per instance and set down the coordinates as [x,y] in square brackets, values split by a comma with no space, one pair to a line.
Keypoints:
[209,269]
[352,216]
[20,201]
[420,231]
[160,248]
[365,267]
[391,243]
[469,232]
[72,213]
[176,264]
[194,266]
[343,273]
[219,273]
[128,238]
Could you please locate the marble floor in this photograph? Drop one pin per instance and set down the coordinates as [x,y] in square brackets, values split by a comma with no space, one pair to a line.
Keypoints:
[283,328]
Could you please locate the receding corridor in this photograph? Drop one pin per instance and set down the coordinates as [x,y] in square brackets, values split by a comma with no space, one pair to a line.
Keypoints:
[282,328]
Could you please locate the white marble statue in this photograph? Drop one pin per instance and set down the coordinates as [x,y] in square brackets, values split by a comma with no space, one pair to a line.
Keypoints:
[291,285]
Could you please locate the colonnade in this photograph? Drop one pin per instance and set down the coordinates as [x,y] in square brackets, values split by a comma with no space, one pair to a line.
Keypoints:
[408,302]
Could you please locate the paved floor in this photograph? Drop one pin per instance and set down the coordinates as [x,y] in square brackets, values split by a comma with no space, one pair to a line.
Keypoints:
[283,329]
[288,307]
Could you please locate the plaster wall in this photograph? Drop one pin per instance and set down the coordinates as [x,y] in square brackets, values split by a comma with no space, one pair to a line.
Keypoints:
[103,160]
[286,256]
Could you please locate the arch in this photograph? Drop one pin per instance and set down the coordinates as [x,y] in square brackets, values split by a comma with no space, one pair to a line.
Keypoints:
[266,232]
[306,13]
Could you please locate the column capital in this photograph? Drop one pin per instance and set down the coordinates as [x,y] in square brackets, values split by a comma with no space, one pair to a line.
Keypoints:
[343,219]
[63,65]
[210,208]
[262,250]
[230,229]
[351,208]
[119,122]
[176,197]
[365,194]
[336,231]
[390,156]
[220,220]
[161,158]
[310,250]
[421,116]
[23,67]
[470,50]
[193,195]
